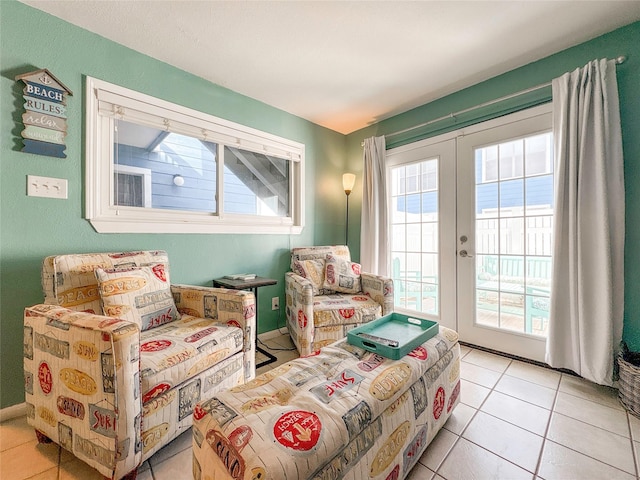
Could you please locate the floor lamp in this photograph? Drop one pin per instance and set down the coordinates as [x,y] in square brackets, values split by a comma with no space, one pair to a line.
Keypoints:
[348,180]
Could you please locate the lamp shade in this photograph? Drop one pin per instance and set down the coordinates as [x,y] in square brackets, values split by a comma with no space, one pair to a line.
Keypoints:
[348,181]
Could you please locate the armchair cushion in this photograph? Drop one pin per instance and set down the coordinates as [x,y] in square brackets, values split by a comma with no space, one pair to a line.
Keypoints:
[176,352]
[342,275]
[312,270]
[344,310]
[141,295]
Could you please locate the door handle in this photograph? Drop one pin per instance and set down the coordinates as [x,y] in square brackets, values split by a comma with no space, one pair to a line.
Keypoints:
[464,254]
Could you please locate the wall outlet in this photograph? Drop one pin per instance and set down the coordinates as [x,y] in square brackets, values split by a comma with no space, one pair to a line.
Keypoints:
[275,303]
[46,187]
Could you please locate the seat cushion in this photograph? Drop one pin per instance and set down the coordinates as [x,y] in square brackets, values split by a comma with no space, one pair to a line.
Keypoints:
[342,309]
[173,353]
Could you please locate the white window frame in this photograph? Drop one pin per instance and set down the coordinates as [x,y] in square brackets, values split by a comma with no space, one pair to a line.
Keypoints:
[107,103]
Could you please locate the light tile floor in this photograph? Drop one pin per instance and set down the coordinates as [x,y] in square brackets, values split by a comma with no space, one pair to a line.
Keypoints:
[515,420]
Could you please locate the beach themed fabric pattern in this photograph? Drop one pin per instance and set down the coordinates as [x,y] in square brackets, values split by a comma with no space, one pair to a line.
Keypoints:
[311,310]
[312,270]
[70,280]
[82,385]
[343,413]
[341,275]
[313,260]
[106,391]
[233,308]
[139,294]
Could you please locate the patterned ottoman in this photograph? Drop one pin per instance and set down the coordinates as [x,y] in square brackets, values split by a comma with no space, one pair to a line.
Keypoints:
[343,413]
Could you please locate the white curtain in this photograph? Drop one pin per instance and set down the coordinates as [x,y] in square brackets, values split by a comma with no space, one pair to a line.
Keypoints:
[587,300]
[374,233]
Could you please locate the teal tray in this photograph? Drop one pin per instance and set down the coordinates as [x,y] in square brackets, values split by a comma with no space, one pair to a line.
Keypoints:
[393,335]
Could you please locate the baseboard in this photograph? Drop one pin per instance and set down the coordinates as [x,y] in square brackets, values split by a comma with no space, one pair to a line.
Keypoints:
[14,411]
[273,333]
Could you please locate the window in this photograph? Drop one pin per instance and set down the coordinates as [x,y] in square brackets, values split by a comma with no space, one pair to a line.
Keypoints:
[132,186]
[513,231]
[505,161]
[257,184]
[414,235]
[157,167]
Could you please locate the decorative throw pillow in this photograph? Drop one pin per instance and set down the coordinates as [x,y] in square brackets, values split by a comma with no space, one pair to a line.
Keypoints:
[141,295]
[341,275]
[312,270]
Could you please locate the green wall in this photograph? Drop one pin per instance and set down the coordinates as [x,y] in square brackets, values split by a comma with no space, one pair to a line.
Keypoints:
[624,41]
[32,228]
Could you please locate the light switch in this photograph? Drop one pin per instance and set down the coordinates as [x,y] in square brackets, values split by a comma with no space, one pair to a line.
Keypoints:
[46,187]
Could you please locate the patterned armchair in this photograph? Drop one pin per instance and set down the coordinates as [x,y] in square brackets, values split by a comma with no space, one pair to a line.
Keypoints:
[327,295]
[113,389]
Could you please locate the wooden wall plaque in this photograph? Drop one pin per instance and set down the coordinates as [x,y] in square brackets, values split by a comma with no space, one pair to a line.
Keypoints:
[45,117]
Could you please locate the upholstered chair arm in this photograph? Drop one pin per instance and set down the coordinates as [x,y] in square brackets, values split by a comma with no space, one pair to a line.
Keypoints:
[82,372]
[299,282]
[231,307]
[380,289]
[299,311]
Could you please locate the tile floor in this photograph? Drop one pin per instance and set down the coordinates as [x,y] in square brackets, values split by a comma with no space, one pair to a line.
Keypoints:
[515,420]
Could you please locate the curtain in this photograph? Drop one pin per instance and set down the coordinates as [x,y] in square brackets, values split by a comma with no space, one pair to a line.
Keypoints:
[586,312]
[374,233]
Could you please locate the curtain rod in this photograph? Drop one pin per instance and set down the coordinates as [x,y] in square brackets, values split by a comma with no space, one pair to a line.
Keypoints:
[619,60]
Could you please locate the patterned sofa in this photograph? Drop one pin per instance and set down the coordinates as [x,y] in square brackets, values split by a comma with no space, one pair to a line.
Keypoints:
[113,389]
[327,295]
[341,414]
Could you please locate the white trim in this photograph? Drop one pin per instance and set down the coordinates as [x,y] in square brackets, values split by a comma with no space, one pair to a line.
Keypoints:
[146,105]
[173,225]
[272,334]
[106,102]
[14,411]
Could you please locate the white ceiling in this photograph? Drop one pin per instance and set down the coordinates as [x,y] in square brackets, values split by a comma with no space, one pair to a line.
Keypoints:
[346,64]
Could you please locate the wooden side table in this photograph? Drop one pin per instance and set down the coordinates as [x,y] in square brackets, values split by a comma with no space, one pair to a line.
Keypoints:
[252,285]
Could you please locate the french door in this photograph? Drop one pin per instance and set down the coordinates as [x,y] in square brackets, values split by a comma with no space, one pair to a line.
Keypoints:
[471,222]
[504,234]
[422,232]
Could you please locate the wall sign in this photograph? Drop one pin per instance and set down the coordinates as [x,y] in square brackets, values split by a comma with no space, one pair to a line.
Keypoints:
[45,117]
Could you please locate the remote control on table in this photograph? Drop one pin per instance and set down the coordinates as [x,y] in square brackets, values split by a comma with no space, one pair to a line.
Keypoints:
[380,340]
